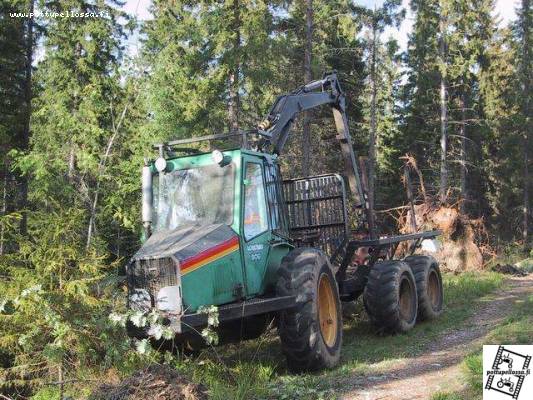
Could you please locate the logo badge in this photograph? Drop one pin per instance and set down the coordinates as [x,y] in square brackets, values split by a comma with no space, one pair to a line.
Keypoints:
[506,372]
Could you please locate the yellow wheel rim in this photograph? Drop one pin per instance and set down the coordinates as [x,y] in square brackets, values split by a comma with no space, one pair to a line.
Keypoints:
[433,289]
[327,311]
[407,306]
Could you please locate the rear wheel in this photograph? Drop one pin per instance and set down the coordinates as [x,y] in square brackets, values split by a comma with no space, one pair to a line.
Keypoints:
[390,297]
[311,332]
[428,285]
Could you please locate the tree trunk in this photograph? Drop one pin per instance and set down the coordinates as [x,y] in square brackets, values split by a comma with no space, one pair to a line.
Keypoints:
[410,197]
[27,114]
[463,161]
[373,133]
[443,113]
[234,99]
[4,208]
[61,381]
[306,134]
[527,204]
[91,230]
[526,104]
[71,163]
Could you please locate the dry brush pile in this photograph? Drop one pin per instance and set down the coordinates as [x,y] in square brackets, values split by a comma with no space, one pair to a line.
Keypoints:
[157,382]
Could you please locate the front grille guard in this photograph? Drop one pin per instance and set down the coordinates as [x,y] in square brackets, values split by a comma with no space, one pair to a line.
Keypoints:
[147,276]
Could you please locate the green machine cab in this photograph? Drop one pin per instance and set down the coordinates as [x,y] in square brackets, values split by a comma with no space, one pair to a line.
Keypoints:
[220,220]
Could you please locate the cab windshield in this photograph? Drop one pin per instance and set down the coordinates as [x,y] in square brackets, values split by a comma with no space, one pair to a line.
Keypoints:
[202,195]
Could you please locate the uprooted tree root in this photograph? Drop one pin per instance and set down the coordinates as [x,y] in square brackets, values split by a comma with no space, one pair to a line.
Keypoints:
[461,243]
[464,241]
[157,382]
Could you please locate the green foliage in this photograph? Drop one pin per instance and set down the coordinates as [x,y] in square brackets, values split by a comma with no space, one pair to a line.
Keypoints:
[208,333]
[55,305]
[200,54]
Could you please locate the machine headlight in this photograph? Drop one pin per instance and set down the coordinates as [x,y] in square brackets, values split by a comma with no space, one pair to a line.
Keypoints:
[160,164]
[218,157]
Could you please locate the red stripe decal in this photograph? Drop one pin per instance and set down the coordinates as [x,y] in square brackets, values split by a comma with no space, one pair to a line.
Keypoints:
[219,248]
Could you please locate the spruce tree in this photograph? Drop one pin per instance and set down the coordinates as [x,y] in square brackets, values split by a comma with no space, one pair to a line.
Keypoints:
[212,65]
[17,42]
[524,30]
[376,20]
[421,92]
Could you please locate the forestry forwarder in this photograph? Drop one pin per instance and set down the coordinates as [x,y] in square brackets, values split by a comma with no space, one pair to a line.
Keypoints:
[222,228]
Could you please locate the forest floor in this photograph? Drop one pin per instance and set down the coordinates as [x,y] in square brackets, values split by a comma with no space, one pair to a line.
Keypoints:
[437,360]
[438,368]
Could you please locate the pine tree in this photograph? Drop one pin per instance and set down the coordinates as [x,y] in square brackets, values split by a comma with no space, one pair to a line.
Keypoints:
[524,32]
[421,92]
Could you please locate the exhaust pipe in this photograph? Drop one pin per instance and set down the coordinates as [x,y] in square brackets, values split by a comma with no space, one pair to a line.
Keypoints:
[147,200]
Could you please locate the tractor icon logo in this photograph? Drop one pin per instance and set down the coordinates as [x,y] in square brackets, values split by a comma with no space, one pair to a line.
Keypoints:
[506,382]
[506,359]
[506,372]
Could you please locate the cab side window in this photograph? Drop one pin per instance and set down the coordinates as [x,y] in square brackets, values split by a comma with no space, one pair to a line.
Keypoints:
[255,211]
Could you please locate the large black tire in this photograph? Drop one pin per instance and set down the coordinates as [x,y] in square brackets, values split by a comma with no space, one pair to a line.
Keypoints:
[311,332]
[390,297]
[428,286]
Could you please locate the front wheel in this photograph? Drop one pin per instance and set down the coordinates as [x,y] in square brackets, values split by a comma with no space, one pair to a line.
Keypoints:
[311,332]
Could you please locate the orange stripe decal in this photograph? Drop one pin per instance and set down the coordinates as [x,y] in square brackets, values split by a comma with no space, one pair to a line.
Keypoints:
[205,257]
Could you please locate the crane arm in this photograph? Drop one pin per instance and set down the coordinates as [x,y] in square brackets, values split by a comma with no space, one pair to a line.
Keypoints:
[276,126]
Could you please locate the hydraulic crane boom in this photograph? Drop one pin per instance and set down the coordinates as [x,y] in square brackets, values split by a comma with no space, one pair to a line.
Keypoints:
[277,124]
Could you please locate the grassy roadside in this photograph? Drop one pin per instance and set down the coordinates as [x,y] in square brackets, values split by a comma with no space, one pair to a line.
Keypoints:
[256,370]
[516,329]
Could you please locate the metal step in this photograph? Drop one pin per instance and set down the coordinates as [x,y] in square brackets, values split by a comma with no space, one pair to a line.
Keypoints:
[228,312]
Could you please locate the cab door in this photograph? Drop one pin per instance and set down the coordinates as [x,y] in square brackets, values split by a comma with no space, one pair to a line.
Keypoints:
[256,231]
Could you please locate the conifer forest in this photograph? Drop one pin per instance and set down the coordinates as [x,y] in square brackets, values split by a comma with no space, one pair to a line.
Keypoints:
[441,125]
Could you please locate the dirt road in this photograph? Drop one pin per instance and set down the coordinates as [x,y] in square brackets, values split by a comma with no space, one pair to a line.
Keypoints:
[438,367]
